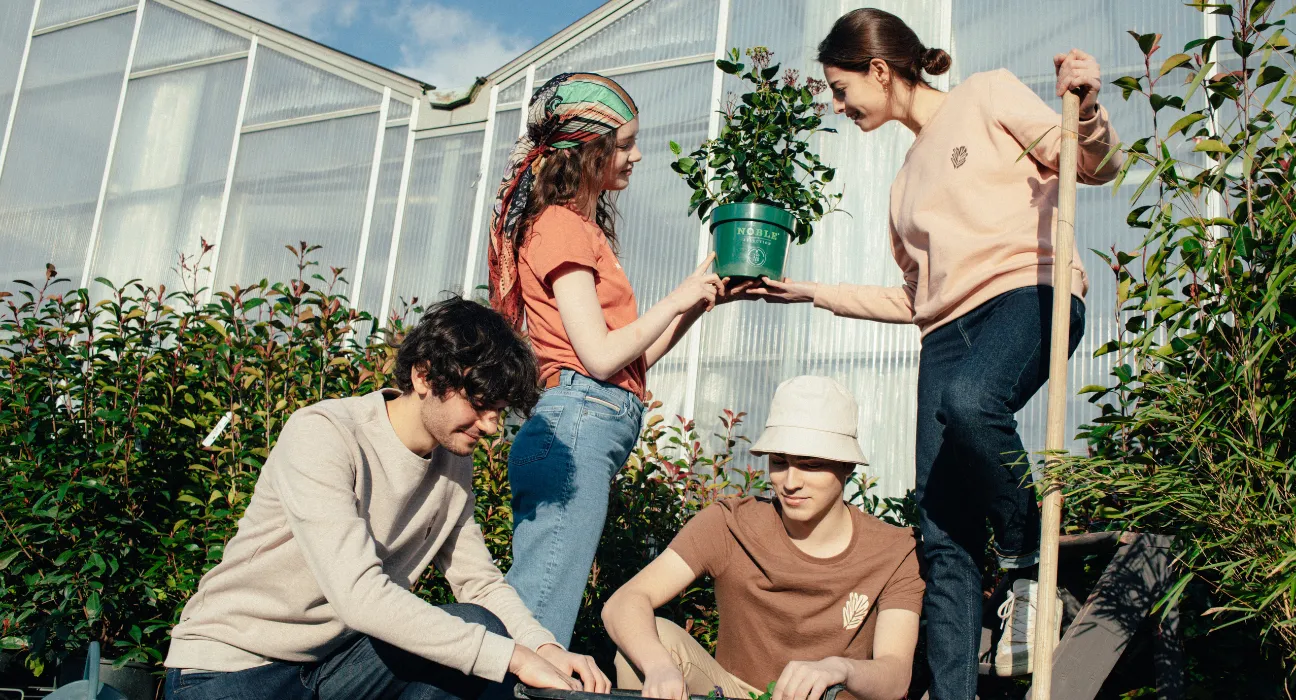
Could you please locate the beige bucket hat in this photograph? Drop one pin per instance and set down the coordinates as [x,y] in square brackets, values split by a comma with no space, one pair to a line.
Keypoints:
[812,417]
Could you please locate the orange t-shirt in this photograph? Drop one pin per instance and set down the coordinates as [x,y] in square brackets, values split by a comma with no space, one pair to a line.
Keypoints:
[561,237]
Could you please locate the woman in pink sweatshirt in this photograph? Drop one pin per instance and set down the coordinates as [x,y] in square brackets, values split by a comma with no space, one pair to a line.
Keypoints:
[971,226]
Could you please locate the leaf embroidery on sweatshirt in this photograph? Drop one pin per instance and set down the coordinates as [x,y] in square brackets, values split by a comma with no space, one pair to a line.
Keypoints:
[959,156]
[853,612]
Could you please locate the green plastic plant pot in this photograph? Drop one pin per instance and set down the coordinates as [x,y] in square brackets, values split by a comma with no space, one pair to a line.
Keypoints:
[751,240]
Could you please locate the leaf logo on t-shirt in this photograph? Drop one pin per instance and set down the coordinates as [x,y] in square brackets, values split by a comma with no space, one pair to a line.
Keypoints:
[959,156]
[853,612]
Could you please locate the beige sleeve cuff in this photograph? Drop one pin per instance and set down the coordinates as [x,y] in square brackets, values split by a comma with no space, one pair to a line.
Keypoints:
[537,638]
[493,657]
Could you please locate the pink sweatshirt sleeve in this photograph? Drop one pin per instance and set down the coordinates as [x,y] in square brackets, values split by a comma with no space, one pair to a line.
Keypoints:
[1023,114]
[871,303]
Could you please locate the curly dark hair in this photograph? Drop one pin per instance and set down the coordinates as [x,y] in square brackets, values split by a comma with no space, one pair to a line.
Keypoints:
[575,177]
[463,345]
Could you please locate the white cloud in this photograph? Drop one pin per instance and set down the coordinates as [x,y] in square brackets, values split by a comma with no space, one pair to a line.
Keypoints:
[449,47]
[313,18]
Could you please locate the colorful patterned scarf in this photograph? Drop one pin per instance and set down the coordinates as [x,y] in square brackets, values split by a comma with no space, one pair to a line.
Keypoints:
[569,110]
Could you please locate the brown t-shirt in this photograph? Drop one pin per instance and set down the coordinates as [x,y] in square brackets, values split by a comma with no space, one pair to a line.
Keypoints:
[561,237]
[778,604]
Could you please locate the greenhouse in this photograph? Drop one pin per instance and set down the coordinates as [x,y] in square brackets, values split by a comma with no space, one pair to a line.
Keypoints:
[135,129]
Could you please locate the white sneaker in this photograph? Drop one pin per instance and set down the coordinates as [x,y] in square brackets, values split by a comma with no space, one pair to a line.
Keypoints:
[1014,655]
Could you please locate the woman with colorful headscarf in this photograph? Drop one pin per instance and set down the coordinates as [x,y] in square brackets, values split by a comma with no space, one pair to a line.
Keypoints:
[553,262]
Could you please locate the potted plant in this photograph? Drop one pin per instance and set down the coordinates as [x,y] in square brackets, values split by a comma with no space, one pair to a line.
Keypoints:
[758,179]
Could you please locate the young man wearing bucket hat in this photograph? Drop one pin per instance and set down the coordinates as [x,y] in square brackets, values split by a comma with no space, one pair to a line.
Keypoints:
[812,592]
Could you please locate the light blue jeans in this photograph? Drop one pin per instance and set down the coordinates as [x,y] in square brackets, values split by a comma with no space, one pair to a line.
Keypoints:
[560,470]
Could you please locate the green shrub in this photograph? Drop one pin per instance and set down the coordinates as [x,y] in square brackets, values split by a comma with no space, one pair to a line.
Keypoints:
[1197,433]
[124,479]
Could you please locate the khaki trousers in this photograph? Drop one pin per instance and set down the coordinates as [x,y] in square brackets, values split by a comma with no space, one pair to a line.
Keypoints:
[702,673]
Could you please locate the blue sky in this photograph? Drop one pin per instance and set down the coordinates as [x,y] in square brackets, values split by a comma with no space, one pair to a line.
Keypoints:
[443,42]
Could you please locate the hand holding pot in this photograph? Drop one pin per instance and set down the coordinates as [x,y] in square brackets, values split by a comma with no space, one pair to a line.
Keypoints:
[701,287]
[785,292]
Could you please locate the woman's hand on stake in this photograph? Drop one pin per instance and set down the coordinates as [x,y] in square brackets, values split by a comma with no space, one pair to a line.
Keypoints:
[785,292]
[1079,71]
[701,287]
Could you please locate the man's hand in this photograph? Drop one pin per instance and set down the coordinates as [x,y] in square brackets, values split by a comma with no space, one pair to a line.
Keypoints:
[533,670]
[664,682]
[593,679]
[807,680]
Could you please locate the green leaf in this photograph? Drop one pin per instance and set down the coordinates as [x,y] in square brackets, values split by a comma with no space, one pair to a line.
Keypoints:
[1147,42]
[7,559]
[1034,143]
[675,148]
[1184,122]
[1258,10]
[216,326]
[1196,81]
[1174,62]
[189,498]
[1270,74]
[1212,146]
[1128,85]
[730,67]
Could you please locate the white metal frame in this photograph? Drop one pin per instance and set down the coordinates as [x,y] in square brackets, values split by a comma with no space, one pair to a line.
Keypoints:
[479,203]
[229,171]
[528,88]
[112,140]
[398,224]
[312,118]
[371,197]
[85,20]
[22,72]
[693,362]
[196,63]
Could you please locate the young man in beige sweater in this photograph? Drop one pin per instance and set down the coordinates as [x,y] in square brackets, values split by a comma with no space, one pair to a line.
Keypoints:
[358,497]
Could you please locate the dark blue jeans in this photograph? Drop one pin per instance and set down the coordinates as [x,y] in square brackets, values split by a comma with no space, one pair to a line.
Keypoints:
[973,375]
[365,669]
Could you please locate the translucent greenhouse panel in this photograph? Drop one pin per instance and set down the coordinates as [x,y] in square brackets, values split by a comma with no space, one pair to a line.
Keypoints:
[285,88]
[168,172]
[655,31]
[54,12]
[298,183]
[54,167]
[15,20]
[384,219]
[514,92]
[792,29]
[168,37]
[438,210]
[658,239]
[506,131]
[398,108]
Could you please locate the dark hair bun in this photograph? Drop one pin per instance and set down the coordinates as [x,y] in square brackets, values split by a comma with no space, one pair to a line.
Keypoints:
[935,61]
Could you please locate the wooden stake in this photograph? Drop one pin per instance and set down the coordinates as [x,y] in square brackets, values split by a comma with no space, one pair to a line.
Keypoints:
[1055,437]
